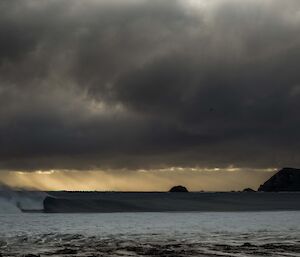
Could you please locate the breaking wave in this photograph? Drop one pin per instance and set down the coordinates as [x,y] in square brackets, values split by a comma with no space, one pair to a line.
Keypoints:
[12,200]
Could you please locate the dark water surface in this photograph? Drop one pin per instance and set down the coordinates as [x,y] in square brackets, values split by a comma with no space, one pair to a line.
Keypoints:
[151,234]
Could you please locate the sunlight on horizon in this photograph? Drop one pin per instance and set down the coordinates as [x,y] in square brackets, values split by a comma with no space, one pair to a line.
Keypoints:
[194,178]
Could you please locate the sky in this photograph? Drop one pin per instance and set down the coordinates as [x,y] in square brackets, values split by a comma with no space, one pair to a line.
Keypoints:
[144,94]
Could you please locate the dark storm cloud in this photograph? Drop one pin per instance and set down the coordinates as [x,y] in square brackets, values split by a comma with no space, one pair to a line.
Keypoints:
[142,83]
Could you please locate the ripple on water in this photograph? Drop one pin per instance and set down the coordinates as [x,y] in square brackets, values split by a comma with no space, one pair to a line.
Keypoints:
[144,245]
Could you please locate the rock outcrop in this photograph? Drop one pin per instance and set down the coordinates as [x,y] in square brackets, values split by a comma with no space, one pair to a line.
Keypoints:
[249,190]
[180,189]
[287,179]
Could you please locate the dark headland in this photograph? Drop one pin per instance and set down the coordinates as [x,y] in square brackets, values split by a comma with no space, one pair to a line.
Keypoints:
[179,199]
[285,180]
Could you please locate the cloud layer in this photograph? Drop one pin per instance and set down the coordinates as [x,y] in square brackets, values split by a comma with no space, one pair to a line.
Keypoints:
[148,83]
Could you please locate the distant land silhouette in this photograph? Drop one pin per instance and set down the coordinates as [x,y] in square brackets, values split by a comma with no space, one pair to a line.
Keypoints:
[249,190]
[180,189]
[179,199]
[287,179]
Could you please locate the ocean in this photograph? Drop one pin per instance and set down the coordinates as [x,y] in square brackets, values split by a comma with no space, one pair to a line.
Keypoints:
[273,233]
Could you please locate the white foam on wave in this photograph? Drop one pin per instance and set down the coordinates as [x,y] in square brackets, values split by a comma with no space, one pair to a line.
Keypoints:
[12,201]
[6,206]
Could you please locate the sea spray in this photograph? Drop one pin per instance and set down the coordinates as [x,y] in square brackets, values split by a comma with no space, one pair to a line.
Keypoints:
[15,200]
[7,206]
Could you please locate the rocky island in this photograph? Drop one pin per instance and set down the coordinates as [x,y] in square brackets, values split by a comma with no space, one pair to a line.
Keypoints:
[178,189]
